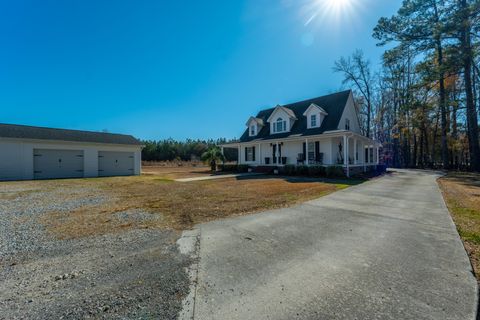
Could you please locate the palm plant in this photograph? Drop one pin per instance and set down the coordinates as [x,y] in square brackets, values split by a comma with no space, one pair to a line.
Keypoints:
[212,156]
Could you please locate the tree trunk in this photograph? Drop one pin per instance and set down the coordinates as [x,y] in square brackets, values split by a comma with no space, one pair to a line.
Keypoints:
[472,118]
[442,92]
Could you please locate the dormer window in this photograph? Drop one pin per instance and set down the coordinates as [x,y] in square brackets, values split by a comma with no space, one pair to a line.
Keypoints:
[280,126]
[254,126]
[314,116]
[253,130]
[313,120]
[347,124]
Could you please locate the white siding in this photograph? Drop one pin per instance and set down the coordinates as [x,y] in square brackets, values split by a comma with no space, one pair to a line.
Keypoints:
[320,117]
[290,150]
[351,114]
[16,156]
[279,113]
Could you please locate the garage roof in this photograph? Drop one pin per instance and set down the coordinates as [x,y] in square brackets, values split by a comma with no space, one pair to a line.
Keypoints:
[29,132]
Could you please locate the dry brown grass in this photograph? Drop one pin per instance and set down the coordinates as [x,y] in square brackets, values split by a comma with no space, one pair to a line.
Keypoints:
[177,205]
[462,194]
[177,172]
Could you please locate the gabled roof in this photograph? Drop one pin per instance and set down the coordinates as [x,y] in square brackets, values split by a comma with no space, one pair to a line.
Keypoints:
[41,133]
[288,111]
[257,120]
[332,104]
[314,106]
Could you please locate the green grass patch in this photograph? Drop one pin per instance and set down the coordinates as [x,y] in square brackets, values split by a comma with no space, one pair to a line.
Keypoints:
[470,236]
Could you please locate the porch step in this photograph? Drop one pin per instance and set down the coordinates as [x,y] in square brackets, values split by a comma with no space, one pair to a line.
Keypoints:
[264,169]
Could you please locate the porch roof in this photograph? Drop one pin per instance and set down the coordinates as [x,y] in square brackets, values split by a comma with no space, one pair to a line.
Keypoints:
[302,137]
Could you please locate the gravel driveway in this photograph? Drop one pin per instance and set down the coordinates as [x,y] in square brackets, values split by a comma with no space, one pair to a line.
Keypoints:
[135,274]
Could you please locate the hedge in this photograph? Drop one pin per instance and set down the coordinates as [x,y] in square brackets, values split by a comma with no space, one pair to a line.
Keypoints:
[234,168]
[335,172]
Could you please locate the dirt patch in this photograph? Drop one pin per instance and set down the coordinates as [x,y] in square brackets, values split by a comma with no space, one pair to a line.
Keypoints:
[461,192]
[177,205]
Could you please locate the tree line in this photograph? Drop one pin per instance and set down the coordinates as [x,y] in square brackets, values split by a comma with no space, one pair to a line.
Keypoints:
[422,104]
[171,150]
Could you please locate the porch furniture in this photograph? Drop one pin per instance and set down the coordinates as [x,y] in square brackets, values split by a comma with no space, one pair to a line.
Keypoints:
[284,160]
[267,160]
[319,158]
[300,159]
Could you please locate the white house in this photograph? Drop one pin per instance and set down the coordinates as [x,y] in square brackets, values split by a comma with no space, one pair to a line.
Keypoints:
[44,153]
[321,131]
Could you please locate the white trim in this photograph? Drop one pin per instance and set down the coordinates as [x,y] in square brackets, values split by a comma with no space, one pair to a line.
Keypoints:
[312,106]
[289,112]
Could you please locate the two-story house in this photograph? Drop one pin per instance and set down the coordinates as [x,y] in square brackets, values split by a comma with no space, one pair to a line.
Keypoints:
[321,131]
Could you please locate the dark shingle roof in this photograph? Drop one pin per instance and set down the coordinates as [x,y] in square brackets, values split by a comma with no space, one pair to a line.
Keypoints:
[29,132]
[333,104]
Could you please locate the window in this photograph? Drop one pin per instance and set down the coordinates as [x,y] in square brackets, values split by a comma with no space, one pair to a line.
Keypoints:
[253,130]
[279,126]
[313,120]
[347,124]
[250,154]
[311,152]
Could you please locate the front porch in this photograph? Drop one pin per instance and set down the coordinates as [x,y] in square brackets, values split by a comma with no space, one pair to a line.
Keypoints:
[351,151]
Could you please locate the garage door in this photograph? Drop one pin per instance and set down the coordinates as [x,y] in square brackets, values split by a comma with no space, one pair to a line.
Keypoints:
[55,164]
[115,163]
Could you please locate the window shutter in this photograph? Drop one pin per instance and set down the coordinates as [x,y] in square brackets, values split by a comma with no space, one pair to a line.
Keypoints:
[317,150]
[280,150]
[246,154]
[304,151]
[253,151]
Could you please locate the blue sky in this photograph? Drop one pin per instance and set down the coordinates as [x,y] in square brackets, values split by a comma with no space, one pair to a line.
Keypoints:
[182,69]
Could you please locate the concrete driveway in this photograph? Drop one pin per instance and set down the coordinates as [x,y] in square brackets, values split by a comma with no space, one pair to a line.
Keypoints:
[386,249]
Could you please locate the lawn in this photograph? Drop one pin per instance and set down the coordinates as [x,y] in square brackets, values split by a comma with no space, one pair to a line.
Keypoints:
[177,171]
[462,195]
[107,247]
[156,201]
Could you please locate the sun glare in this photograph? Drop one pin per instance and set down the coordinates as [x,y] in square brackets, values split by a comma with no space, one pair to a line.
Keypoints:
[337,4]
[329,9]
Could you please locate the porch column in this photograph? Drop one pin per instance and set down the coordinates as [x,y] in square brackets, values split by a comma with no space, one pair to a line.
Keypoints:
[239,149]
[355,151]
[260,153]
[306,152]
[378,156]
[365,157]
[345,155]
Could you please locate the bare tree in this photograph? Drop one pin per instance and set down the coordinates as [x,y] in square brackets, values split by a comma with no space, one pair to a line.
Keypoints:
[357,72]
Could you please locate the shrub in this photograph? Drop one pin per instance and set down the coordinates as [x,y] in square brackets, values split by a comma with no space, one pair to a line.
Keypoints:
[317,171]
[289,170]
[229,167]
[302,170]
[335,172]
[381,169]
[242,168]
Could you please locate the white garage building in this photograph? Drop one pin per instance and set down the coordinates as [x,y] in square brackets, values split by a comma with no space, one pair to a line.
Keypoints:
[28,153]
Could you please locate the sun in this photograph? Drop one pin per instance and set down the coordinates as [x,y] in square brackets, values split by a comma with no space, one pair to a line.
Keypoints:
[338,4]
[330,10]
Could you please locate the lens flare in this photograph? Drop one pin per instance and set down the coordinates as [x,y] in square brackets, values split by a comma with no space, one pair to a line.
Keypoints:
[329,9]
